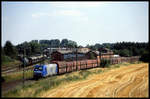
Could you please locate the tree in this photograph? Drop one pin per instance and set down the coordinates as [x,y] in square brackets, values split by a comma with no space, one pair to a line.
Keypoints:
[115,51]
[54,43]
[145,56]
[2,51]
[10,50]
[5,59]
[44,42]
[27,48]
[92,56]
[135,51]
[35,41]
[88,46]
[30,48]
[64,43]
[124,52]
[43,46]
[34,47]
[72,44]
[57,42]
[97,46]
[107,45]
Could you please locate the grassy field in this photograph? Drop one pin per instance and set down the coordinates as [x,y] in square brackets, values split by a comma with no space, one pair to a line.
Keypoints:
[9,62]
[127,81]
[34,89]
[13,63]
[18,75]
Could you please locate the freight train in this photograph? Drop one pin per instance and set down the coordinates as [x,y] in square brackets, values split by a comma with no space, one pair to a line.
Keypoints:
[32,60]
[61,67]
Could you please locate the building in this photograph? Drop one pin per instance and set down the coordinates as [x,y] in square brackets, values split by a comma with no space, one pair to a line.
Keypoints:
[49,51]
[84,50]
[92,54]
[66,55]
[106,53]
[70,54]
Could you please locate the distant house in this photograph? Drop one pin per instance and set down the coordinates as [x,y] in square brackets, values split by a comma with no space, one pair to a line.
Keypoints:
[106,53]
[66,55]
[72,54]
[105,50]
[92,54]
[83,50]
[59,55]
[49,51]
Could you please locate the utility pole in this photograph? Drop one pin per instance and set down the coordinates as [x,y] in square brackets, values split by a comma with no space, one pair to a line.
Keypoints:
[23,66]
[43,56]
[41,61]
[76,59]
[99,57]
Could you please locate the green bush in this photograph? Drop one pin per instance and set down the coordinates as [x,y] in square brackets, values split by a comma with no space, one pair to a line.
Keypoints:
[105,63]
[2,79]
[145,57]
[91,56]
[6,59]
[84,74]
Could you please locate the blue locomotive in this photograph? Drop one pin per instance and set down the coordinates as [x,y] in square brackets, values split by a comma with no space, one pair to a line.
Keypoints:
[45,70]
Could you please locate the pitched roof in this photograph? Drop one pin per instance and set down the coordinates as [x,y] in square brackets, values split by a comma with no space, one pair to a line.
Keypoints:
[64,51]
[96,52]
[71,51]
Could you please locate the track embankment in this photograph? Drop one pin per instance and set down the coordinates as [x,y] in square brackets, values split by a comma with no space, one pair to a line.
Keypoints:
[126,81]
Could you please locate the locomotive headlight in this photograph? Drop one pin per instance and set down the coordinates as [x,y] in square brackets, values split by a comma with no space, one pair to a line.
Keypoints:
[37,71]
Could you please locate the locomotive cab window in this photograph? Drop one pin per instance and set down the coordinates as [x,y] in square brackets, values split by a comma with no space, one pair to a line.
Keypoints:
[38,68]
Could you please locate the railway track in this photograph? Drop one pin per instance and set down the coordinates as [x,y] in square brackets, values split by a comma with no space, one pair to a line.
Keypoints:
[17,69]
[8,70]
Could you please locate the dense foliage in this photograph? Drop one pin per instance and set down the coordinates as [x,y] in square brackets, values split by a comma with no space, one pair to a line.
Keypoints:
[123,48]
[35,47]
[104,63]
[145,56]
[9,51]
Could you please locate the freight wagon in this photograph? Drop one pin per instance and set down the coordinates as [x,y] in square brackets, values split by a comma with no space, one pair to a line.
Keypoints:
[31,60]
[65,67]
[61,67]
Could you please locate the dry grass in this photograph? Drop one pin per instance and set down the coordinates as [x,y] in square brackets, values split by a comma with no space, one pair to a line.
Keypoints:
[72,81]
[127,81]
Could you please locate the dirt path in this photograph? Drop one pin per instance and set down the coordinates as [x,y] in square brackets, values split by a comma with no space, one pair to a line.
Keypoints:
[126,81]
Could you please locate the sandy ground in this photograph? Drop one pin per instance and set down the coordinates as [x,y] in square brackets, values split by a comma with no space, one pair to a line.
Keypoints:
[126,81]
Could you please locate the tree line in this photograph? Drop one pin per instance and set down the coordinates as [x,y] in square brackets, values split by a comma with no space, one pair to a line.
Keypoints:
[126,49]
[33,47]
[37,47]
[9,51]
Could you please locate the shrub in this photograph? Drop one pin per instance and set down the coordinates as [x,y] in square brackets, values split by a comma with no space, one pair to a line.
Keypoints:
[6,59]
[105,63]
[2,79]
[145,57]
[84,74]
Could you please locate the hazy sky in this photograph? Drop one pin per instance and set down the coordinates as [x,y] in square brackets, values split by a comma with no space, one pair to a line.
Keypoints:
[83,22]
